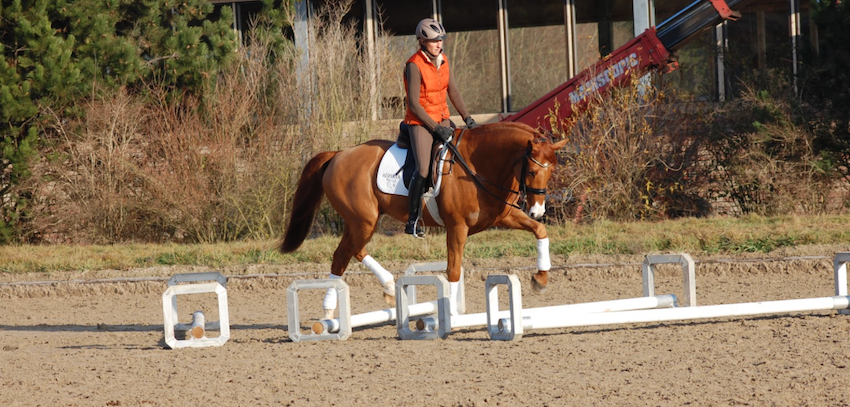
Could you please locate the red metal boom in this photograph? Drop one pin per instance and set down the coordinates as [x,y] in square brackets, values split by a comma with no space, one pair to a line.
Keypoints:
[642,54]
[650,51]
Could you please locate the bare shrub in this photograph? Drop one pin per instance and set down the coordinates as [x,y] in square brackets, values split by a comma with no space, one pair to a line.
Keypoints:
[217,166]
[766,159]
[86,182]
[633,155]
[334,102]
[647,156]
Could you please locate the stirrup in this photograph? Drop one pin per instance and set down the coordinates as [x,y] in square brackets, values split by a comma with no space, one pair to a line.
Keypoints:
[413,228]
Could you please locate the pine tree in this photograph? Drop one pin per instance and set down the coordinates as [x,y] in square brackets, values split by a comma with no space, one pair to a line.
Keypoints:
[37,70]
[182,49]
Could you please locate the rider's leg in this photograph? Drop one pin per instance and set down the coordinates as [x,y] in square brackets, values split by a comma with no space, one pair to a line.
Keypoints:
[417,188]
[420,143]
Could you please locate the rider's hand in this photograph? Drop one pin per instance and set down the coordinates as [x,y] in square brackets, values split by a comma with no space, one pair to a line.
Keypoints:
[443,133]
[470,122]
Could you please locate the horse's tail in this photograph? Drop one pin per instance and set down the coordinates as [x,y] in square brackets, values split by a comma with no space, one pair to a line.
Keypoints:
[306,201]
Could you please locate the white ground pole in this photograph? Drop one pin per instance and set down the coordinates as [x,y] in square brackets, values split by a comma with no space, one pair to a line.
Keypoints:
[460,298]
[535,318]
[840,265]
[405,307]
[503,325]
[218,285]
[688,273]
[684,313]
[293,314]
[374,317]
[340,328]
[198,329]
[506,327]
[542,318]
[431,323]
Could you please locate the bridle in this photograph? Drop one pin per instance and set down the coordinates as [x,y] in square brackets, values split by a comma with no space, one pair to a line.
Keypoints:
[524,189]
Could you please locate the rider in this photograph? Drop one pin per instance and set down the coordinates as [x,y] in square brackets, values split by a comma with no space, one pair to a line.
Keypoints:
[427,79]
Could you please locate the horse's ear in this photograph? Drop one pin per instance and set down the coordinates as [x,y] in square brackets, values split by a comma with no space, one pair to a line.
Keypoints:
[559,144]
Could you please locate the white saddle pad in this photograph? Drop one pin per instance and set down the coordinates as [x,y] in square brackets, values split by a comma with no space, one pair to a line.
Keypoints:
[389,178]
[389,171]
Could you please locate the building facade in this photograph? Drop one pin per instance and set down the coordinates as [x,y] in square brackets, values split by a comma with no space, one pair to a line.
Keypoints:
[506,54]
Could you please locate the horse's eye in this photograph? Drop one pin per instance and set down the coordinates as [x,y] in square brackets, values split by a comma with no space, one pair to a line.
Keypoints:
[532,174]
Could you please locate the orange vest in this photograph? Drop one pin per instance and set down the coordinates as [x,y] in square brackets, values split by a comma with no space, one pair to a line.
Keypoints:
[432,89]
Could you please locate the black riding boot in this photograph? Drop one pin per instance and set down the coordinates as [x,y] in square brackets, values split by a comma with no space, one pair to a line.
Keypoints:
[417,187]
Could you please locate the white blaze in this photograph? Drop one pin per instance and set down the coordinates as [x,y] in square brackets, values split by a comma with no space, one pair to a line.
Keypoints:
[537,210]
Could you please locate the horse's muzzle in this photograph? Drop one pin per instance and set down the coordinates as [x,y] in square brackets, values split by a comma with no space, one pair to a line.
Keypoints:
[537,210]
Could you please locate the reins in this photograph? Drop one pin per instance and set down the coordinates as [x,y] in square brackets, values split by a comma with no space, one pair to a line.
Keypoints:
[524,189]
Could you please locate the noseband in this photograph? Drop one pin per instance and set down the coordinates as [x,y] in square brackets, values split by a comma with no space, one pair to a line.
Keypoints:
[524,189]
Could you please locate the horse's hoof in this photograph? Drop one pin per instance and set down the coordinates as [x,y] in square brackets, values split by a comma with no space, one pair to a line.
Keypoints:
[389,293]
[537,287]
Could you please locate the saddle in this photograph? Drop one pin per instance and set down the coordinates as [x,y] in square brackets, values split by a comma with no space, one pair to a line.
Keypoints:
[403,142]
[396,170]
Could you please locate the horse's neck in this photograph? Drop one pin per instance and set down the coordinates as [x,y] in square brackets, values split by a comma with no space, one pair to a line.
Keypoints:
[495,148]
[495,155]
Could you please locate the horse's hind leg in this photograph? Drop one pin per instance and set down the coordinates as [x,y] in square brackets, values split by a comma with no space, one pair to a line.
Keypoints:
[385,278]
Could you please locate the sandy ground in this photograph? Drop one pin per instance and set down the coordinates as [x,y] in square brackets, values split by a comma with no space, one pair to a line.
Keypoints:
[101,344]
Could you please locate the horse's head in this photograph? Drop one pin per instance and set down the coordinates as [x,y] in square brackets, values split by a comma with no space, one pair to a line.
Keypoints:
[539,164]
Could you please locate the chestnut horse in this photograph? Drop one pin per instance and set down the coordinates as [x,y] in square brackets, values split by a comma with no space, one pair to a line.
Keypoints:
[505,162]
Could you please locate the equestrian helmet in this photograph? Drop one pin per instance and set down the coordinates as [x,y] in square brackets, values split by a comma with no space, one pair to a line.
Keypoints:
[430,30]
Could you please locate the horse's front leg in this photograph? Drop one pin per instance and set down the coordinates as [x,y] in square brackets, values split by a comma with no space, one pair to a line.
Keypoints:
[455,242]
[519,220]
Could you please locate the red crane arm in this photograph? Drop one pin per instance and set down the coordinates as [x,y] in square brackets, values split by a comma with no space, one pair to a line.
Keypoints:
[642,54]
[647,52]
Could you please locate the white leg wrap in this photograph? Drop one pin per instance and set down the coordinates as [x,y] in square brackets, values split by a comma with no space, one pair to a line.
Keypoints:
[379,271]
[543,262]
[329,303]
[454,288]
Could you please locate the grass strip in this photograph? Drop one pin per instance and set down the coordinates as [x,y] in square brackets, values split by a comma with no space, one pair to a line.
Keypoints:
[720,235]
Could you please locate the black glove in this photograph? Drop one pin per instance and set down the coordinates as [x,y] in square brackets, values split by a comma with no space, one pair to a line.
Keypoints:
[470,123]
[443,133]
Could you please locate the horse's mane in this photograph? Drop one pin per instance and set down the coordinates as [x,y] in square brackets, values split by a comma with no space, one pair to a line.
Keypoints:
[521,131]
[516,126]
